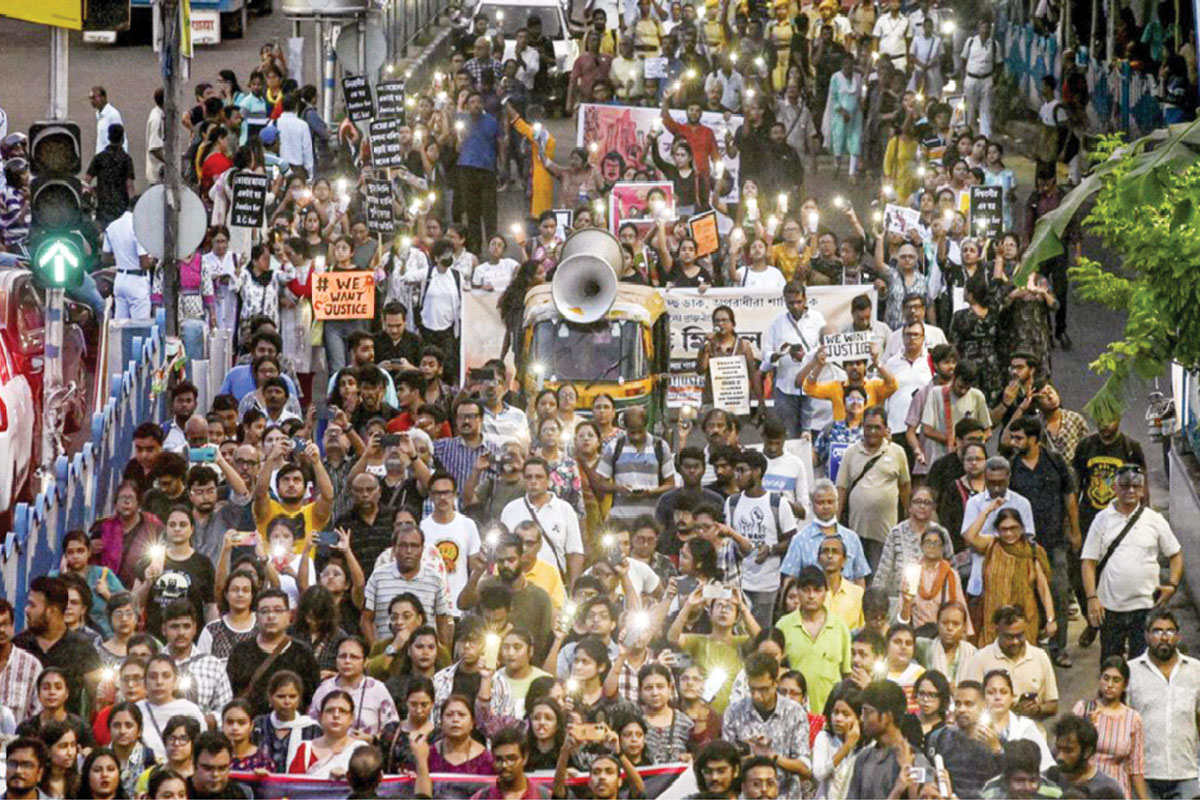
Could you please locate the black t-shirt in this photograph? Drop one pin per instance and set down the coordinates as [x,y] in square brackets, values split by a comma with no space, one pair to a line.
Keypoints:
[1095,467]
[113,169]
[409,347]
[234,790]
[247,656]
[192,579]
[368,541]
[73,654]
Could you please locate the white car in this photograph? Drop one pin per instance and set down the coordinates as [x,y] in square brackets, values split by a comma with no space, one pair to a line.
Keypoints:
[17,416]
[508,16]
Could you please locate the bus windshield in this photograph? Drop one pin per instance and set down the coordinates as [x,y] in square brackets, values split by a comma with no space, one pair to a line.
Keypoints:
[603,351]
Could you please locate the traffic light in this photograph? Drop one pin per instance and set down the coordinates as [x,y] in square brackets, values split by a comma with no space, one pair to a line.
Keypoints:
[56,243]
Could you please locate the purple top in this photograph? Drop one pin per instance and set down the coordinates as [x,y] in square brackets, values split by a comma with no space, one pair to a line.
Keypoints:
[479,765]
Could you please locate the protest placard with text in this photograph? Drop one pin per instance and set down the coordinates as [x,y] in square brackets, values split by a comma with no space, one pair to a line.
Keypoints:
[344,295]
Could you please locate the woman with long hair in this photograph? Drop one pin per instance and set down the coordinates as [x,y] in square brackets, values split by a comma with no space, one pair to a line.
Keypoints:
[596,502]
[257,290]
[1120,751]
[723,342]
[516,654]
[238,623]
[214,156]
[396,737]
[933,701]
[295,310]
[100,776]
[342,577]
[125,535]
[837,743]
[512,310]
[317,627]
[125,731]
[52,695]
[328,756]
[60,779]
[1016,571]
[547,730]
[565,480]
[237,723]
[667,730]
[191,574]
[975,331]
[903,668]
[604,414]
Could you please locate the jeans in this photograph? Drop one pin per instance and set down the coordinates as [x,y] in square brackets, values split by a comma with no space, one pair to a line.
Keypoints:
[1119,628]
[873,550]
[335,334]
[89,295]
[1060,588]
[795,411]
[762,606]
[1173,790]
[477,190]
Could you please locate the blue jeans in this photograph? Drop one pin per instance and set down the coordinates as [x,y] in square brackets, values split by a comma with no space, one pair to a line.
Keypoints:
[89,295]
[762,606]
[1173,790]
[1060,588]
[336,332]
[1119,628]
[191,331]
[794,410]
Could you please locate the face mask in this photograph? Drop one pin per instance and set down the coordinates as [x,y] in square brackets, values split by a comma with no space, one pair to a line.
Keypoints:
[826,523]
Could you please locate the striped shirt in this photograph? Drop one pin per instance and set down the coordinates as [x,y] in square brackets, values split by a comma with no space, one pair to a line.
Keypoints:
[1120,750]
[384,584]
[18,683]
[209,685]
[13,220]
[646,467]
[458,458]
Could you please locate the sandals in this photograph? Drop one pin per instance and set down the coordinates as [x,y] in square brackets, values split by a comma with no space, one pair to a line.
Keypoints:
[1062,660]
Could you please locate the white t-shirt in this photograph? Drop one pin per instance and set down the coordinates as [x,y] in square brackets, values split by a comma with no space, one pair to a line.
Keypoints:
[770,278]
[456,541]
[497,275]
[754,519]
[155,719]
[786,475]
[559,523]
[1132,574]
[909,380]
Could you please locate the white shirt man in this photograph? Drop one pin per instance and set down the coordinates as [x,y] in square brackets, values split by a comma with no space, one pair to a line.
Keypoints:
[105,118]
[732,85]
[560,528]
[295,141]
[788,343]
[895,340]
[1164,687]
[1131,576]
[131,286]
[911,375]
[455,536]
[786,474]
[154,141]
[891,30]
[981,58]
[441,304]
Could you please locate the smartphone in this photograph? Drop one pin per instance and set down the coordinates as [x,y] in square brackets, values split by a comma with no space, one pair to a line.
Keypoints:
[918,775]
[248,538]
[481,375]
[327,538]
[614,557]
[389,440]
[588,732]
[202,455]
[298,445]
[1029,696]
[716,591]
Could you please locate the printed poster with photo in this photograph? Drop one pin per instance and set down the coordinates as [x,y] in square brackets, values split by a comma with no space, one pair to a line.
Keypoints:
[616,137]
[636,202]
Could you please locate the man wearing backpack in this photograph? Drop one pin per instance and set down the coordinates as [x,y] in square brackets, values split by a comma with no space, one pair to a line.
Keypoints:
[763,518]
[638,468]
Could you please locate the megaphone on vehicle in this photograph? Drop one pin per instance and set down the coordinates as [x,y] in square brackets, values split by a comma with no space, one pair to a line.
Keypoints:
[585,281]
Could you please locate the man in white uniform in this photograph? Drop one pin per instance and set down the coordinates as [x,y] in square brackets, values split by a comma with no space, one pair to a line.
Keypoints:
[131,288]
[981,58]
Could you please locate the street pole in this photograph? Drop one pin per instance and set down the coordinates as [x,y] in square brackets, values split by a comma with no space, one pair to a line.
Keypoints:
[52,376]
[169,59]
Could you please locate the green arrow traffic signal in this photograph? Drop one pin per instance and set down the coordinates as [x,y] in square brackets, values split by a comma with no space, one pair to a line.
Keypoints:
[57,263]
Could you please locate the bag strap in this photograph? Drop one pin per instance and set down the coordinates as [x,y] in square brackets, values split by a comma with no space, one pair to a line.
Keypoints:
[862,474]
[267,664]
[560,557]
[1117,542]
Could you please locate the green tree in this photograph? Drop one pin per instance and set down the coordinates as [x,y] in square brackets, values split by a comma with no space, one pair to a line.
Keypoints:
[1145,215]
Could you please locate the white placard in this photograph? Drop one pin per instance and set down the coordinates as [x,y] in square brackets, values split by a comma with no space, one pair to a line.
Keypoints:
[843,347]
[900,219]
[655,68]
[730,384]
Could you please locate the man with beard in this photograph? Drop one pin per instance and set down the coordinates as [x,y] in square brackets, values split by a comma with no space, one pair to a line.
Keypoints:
[291,486]
[767,522]
[510,751]
[1163,686]
[786,173]
[970,749]
[761,781]
[208,529]
[880,767]
[1120,566]
[604,777]
[699,136]
[530,604]
[771,725]
[718,770]
[1044,478]
[1075,740]
[46,637]
[26,759]
[370,523]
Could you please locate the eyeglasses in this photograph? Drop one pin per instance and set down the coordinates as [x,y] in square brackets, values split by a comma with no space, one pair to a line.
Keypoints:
[922,501]
[272,612]
[1161,633]
[179,741]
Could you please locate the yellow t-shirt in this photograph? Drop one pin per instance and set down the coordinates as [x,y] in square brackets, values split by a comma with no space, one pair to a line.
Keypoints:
[308,512]
[877,391]
[788,262]
[846,603]
[545,576]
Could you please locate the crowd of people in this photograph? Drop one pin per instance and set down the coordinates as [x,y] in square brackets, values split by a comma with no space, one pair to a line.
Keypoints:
[360,559]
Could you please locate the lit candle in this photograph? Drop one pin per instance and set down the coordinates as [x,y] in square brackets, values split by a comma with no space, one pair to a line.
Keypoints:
[912,578]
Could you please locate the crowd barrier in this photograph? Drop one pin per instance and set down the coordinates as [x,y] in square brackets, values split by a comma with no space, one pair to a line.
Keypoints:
[1119,99]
